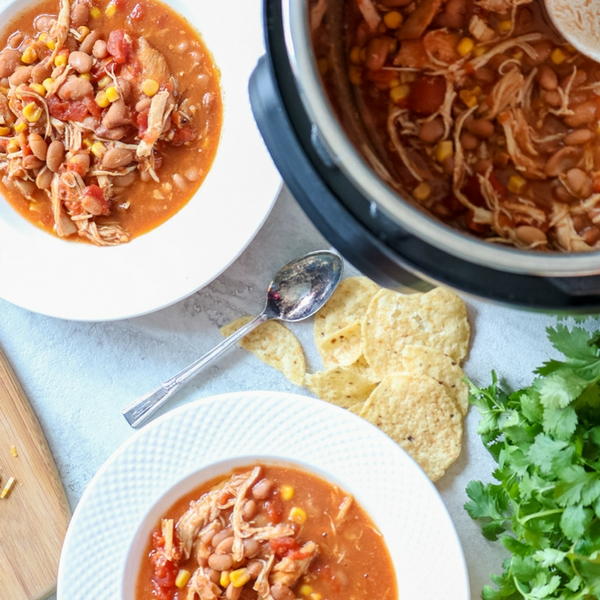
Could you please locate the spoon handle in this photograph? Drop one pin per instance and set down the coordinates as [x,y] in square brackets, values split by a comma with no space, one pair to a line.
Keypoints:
[141,410]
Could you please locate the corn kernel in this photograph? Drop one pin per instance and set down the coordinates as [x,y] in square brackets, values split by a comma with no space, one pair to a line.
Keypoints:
[316,596]
[85,76]
[399,93]
[29,56]
[305,589]
[4,131]
[182,578]
[355,56]
[101,100]
[505,26]
[480,51]
[38,88]
[465,46]
[32,112]
[13,146]
[111,10]
[106,80]
[112,93]
[557,56]
[518,55]
[83,32]
[14,452]
[298,515]
[20,126]
[444,150]
[43,37]
[393,19]
[7,489]
[51,44]
[422,191]
[516,183]
[239,578]
[98,149]
[95,12]
[287,492]
[150,87]
[48,84]
[88,142]
[355,75]
[60,60]
[224,580]
[469,97]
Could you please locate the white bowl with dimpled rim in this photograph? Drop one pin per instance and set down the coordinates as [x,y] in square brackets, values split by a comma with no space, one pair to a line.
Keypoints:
[79,281]
[172,456]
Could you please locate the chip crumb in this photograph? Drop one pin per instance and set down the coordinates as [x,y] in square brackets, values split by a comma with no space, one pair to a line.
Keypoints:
[14,452]
[7,489]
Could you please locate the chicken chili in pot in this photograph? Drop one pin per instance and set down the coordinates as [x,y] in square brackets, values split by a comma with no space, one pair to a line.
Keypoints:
[487,118]
[110,116]
[271,532]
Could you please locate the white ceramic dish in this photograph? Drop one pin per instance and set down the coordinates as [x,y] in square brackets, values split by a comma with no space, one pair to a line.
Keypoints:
[175,454]
[82,282]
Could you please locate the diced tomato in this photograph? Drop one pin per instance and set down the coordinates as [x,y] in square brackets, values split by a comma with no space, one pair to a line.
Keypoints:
[67,111]
[427,94]
[137,13]
[184,135]
[274,509]
[119,46]
[94,202]
[284,545]
[142,122]
[93,108]
[497,184]
[164,570]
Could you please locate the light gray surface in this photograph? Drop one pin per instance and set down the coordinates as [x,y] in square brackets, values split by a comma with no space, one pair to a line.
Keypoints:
[78,376]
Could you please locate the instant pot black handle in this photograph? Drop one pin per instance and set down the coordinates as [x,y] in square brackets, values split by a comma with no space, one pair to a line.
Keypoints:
[335,222]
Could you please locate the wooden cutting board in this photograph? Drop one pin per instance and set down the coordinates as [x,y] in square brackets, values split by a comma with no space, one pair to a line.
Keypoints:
[34,518]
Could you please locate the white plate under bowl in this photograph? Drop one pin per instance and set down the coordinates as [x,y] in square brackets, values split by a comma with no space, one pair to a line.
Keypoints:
[181,450]
[83,282]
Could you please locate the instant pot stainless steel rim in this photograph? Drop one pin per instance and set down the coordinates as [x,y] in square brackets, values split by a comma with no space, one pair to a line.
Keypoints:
[341,150]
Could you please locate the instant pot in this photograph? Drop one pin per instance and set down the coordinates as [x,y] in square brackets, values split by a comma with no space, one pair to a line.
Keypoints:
[386,237]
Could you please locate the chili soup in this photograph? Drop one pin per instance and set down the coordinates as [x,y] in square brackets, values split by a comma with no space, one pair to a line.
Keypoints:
[110,116]
[266,532]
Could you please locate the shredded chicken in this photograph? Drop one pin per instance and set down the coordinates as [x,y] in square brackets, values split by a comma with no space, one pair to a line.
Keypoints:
[289,569]
[370,13]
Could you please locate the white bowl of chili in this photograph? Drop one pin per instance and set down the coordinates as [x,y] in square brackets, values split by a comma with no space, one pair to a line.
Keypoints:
[198,238]
[168,460]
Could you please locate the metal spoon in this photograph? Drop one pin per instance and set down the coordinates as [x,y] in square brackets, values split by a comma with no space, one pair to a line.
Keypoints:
[297,292]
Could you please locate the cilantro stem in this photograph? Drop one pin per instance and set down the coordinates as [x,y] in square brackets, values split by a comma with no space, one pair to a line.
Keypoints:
[544,513]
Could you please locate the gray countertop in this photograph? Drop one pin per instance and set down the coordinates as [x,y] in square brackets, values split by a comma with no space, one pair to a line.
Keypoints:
[79,375]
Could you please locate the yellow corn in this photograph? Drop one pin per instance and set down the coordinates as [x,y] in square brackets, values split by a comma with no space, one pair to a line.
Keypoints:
[32,112]
[287,492]
[102,100]
[98,149]
[399,93]
[38,88]
[298,515]
[13,146]
[239,578]
[422,191]
[48,84]
[394,82]
[444,150]
[355,75]
[305,589]
[505,26]
[3,90]
[29,56]
[112,93]
[393,19]
[468,97]
[83,32]
[480,50]
[10,484]
[224,580]
[13,452]
[355,55]
[43,37]
[60,60]
[106,80]
[20,126]
[407,77]
[516,183]
[557,56]
[95,12]
[111,10]
[50,44]
[316,596]
[150,87]
[518,55]
[4,131]
[465,46]
[88,142]
[85,76]
[182,578]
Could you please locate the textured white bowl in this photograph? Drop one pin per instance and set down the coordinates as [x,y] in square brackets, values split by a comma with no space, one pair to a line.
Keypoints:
[167,459]
[82,282]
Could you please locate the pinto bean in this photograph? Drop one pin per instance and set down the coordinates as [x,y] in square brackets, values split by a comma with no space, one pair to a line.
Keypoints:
[116,158]
[179,181]
[125,180]
[583,114]
[542,51]
[249,510]
[99,49]
[468,141]
[578,137]
[224,546]
[80,61]
[80,162]
[562,160]
[254,568]
[551,98]
[531,235]
[89,41]
[143,105]
[115,133]
[44,179]
[116,115]
[41,71]
[125,88]
[579,182]
[80,14]
[44,22]
[213,575]
[547,78]
[220,562]
[482,128]
[38,145]
[9,60]
[590,235]
[262,489]
[31,162]
[431,131]
[55,155]
[232,592]
[75,88]
[251,548]
[454,15]
[20,76]
[282,592]
[485,75]
[220,536]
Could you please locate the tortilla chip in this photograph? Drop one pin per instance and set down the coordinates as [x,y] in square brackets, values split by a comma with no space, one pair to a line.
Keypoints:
[343,386]
[275,345]
[432,362]
[417,413]
[347,305]
[393,321]
[343,347]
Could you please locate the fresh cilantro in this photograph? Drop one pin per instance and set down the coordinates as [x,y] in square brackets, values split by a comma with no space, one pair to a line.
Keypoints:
[544,505]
